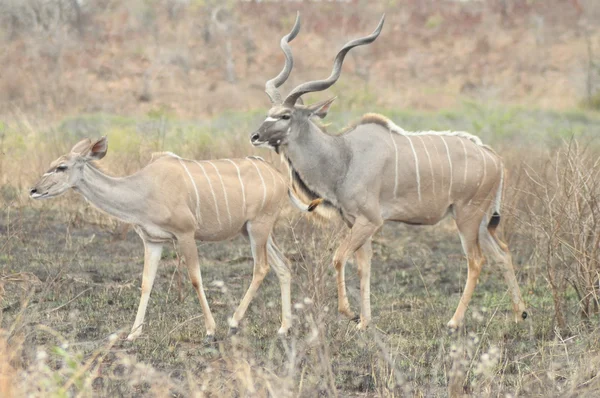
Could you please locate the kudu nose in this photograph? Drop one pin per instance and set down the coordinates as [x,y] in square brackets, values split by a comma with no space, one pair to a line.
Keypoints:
[255,137]
[32,191]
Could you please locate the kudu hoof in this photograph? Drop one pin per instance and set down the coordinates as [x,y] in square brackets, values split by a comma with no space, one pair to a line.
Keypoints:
[524,315]
[452,328]
[284,333]
[210,339]
[233,331]
[355,318]
[451,331]
[133,336]
[361,326]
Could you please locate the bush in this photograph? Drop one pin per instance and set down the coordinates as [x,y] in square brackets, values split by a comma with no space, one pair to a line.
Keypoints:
[562,213]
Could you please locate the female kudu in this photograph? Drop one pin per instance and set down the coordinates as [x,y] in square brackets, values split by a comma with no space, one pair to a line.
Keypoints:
[175,199]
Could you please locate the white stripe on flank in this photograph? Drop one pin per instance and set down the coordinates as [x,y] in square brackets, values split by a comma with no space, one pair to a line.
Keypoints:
[466,161]
[450,163]
[430,165]
[241,184]
[484,165]
[272,177]
[224,190]
[395,163]
[493,160]
[441,167]
[262,180]
[212,191]
[198,213]
[416,166]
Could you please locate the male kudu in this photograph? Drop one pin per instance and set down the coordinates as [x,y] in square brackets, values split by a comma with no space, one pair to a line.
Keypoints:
[375,171]
[174,199]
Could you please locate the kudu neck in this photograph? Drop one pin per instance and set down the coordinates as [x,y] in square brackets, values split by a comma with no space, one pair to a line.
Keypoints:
[121,197]
[319,158]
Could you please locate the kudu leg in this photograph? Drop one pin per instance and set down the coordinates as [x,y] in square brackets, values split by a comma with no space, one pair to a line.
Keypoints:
[277,260]
[152,254]
[498,252]
[360,233]
[339,262]
[363,261]
[189,251]
[469,239]
[259,235]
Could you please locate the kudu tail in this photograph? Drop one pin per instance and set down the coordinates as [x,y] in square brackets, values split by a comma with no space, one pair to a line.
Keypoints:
[306,208]
[495,218]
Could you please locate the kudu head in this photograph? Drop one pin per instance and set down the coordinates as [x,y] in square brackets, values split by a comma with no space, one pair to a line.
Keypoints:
[66,171]
[286,118]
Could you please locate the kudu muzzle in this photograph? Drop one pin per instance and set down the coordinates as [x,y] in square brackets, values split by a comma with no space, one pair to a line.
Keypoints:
[36,193]
[255,138]
[263,137]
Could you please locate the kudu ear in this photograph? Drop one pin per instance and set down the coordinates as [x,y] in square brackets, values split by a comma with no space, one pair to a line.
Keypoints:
[98,149]
[320,109]
[81,146]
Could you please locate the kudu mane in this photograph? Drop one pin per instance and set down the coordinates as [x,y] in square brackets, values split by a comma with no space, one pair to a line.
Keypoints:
[376,118]
[154,156]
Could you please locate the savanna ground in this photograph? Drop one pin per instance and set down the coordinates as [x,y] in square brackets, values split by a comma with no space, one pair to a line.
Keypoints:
[70,276]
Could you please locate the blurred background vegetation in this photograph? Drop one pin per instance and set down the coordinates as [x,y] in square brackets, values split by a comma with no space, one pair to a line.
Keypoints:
[199,58]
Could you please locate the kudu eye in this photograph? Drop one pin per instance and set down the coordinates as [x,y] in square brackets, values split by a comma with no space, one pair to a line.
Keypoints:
[285,117]
[62,167]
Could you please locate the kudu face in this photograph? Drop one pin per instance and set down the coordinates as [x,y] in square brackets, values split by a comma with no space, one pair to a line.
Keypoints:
[276,128]
[66,171]
[284,124]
